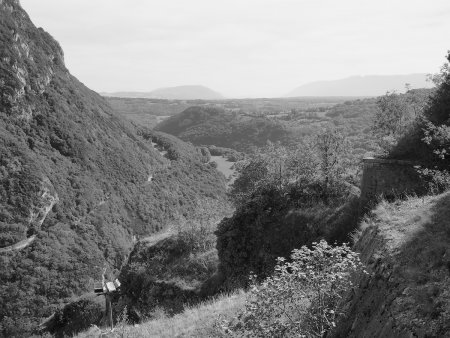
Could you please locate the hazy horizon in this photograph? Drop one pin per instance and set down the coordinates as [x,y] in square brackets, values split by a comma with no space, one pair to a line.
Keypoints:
[250,48]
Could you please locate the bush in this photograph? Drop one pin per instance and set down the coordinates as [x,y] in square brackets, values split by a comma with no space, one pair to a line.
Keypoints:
[302,298]
[398,115]
[76,317]
[437,180]
[197,234]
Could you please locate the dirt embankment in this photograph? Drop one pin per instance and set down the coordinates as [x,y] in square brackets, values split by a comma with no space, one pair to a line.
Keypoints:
[406,246]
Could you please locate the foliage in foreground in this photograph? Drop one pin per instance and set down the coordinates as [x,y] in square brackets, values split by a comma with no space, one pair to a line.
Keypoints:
[302,298]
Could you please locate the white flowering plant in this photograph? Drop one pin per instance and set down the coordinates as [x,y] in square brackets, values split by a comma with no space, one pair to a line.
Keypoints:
[303,296]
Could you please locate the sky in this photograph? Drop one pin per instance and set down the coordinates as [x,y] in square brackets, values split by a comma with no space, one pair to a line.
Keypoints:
[242,48]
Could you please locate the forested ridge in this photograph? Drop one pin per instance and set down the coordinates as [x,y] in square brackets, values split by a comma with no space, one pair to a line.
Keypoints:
[222,128]
[76,176]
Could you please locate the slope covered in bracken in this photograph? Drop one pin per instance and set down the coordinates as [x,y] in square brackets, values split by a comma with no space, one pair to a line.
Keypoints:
[75,178]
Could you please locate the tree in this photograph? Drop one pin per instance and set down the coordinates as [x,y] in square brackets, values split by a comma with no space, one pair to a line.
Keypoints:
[317,161]
[330,144]
[436,132]
[398,114]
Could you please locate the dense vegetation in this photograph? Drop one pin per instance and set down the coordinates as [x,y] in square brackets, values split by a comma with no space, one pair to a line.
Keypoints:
[169,272]
[75,176]
[83,186]
[246,130]
[302,298]
[146,112]
[149,112]
[286,198]
[426,138]
[216,126]
[415,126]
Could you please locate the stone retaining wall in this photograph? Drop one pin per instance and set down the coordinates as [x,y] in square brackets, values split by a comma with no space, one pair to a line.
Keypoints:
[390,178]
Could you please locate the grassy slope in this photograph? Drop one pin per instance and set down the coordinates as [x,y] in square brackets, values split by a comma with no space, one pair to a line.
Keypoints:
[198,321]
[406,245]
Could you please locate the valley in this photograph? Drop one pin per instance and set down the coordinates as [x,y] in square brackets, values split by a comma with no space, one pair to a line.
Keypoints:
[257,217]
[149,112]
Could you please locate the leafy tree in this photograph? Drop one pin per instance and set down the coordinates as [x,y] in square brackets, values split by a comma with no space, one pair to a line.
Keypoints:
[397,115]
[436,133]
[331,145]
[437,125]
[318,160]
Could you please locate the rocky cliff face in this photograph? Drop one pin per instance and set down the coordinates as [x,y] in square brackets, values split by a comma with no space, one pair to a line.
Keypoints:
[74,177]
[29,61]
[406,246]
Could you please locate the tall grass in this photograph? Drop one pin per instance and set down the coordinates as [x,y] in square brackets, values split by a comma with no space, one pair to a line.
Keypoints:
[202,320]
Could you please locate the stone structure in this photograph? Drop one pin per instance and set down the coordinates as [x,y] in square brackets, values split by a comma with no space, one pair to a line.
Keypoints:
[389,178]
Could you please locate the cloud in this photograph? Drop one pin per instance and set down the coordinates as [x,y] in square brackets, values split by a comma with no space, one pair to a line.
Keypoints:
[242,47]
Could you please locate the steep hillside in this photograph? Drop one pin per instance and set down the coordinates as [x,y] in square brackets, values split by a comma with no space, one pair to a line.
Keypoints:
[216,126]
[190,92]
[77,183]
[200,320]
[369,85]
[406,246]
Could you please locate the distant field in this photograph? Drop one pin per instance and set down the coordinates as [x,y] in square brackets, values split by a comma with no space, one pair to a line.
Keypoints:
[299,116]
[150,112]
[225,167]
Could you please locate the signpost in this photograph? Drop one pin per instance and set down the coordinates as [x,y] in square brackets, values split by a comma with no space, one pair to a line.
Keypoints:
[107,289]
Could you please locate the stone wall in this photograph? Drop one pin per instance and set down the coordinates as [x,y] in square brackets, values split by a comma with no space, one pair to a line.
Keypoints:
[390,178]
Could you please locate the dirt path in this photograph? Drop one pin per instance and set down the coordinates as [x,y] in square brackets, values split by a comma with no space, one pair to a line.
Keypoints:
[19,246]
[153,239]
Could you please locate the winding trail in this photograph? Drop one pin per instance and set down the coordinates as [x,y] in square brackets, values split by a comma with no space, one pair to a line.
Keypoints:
[156,238]
[19,245]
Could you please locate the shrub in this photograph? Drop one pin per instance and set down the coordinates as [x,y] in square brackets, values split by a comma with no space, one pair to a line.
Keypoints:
[197,234]
[437,180]
[302,297]
[76,317]
[398,115]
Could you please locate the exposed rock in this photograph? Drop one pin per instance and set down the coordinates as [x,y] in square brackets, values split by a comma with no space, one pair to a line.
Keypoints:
[48,197]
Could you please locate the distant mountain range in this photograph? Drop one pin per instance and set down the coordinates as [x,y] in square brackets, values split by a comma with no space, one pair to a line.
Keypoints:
[369,85]
[191,92]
